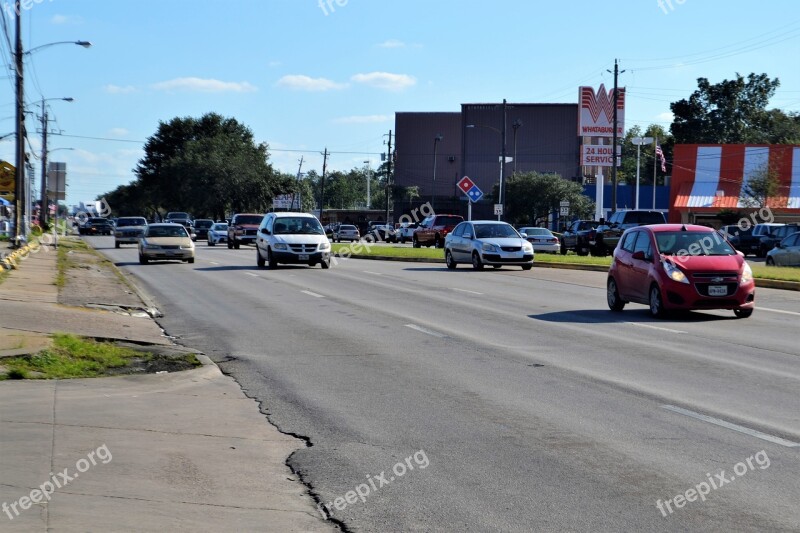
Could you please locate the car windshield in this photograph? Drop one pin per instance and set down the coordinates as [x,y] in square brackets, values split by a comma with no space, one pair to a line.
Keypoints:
[692,243]
[535,231]
[295,225]
[499,231]
[219,227]
[249,219]
[122,222]
[203,223]
[166,231]
[347,228]
[448,221]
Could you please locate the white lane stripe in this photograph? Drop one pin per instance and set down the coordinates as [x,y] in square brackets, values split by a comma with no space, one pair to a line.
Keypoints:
[654,327]
[425,331]
[465,290]
[734,427]
[251,274]
[314,294]
[778,311]
[373,273]
[213,263]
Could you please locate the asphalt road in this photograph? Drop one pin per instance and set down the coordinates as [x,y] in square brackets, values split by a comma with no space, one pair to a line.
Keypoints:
[515,401]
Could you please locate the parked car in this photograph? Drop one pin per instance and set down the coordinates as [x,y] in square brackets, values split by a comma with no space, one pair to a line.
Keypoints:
[242,229]
[487,242]
[776,235]
[174,215]
[742,239]
[166,241]
[578,236]
[541,239]
[434,229]
[405,231]
[673,266]
[292,238]
[346,232]
[786,253]
[129,230]
[217,233]
[97,226]
[380,232]
[201,227]
[330,229]
[607,237]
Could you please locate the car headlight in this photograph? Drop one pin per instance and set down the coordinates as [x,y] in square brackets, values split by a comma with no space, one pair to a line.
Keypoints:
[150,246]
[325,246]
[527,247]
[280,246]
[186,247]
[674,273]
[747,274]
[489,247]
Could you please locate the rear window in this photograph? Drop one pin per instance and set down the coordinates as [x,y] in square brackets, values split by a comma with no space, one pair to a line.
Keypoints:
[249,219]
[449,220]
[203,223]
[347,228]
[134,221]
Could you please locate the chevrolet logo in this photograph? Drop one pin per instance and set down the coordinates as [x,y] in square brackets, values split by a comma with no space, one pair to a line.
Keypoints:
[717,280]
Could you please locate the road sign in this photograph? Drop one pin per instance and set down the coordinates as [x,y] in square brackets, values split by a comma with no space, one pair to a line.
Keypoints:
[465,184]
[498,209]
[564,203]
[474,194]
[564,211]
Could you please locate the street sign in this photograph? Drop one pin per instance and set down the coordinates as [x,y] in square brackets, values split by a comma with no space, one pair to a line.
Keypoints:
[564,211]
[465,184]
[564,203]
[498,209]
[474,194]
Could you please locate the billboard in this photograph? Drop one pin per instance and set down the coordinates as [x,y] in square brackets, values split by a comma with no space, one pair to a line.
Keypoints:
[599,155]
[596,115]
[56,180]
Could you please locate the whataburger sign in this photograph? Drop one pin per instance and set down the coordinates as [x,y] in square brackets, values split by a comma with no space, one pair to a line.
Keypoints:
[596,116]
[7,181]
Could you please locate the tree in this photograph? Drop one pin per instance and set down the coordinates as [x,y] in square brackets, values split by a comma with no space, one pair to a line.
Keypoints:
[762,186]
[733,111]
[627,171]
[411,193]
[532,196]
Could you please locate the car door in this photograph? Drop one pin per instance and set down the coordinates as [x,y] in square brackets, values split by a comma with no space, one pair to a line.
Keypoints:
[792,255]
[623,263]
[461,243]
[639,273]
[261,235]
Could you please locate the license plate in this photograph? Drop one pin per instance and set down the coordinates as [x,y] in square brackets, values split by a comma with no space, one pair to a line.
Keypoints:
[303,257]
[717,290]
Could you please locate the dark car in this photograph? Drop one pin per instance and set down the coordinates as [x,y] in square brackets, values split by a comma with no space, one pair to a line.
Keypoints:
[742,239]
[97,226]
[201,227]
[577,237]
[607,237]
[434,229]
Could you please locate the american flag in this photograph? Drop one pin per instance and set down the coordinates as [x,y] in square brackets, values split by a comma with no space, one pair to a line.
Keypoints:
[660,155]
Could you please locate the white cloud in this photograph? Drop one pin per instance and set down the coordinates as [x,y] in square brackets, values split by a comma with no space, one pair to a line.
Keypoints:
[305,83]
[665,117]
[392,43]
[118,132]
[386,80]
[362,119]
[204,85]
[65,19]
[117,89]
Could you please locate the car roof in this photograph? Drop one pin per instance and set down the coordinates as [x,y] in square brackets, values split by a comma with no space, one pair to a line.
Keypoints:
[488,222]
[167,224]
[658,228]
[293,214]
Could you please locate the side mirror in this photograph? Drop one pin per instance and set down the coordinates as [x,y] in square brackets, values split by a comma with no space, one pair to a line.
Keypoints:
[265,231]
[467,235]
[740,253]
[523,235]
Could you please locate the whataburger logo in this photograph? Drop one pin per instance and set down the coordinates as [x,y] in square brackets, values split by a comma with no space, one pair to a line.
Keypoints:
[603,102]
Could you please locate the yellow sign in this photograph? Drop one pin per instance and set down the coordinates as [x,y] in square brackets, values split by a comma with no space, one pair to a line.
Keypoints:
[8,180]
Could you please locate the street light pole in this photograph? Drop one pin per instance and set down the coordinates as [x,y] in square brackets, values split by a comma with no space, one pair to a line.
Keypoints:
[502,197]
[515,126]
[639,141]
[436,140]
[44,207]
[369,175]
[19,200]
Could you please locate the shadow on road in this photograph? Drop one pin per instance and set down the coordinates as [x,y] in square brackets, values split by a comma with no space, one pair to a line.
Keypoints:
[601,316]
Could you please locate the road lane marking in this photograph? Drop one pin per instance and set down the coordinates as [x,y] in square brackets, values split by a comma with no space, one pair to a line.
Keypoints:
[213,263]
[734,427]
[468,291]
[251,274]
[778,311]
[425,331]
[314,294]
[654,327]
[373,273]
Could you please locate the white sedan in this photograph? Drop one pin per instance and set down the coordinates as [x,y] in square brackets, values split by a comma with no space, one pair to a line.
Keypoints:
[217,233]
[541,239]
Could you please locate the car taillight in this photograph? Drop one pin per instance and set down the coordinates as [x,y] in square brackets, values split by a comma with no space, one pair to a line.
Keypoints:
[592,234]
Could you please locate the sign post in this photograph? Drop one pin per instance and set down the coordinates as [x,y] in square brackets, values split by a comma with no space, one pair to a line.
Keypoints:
[472,191]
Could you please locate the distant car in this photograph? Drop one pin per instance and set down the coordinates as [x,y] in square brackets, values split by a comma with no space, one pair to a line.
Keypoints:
[346,232]
[292,238]
[487,242]
[166,241]
[242,229]
[217,233]
[607,236]
[97,226]
[405,231]
[433,230]
[201,226]
[186,223]
[742,239]
[674,266]
[578,236]
[175,215]
[776,235]
[541,239]
[129,230]
[786,253]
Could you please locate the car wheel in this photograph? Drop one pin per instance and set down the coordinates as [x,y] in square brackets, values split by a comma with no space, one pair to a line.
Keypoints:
[598,251]
[449,261]
[437,242]
[527,267]
[211,243]
[742,313]
[582,251]
[260,263]
[142,260]
[496,266]
[415,242]
[770,262]
[477,264]
[190,260]
[762,252]
[230,244]
[116,245]
[563,248]
[236,244]
[271,259]
[615,303]
[656,302]
[325,264]
[402,240]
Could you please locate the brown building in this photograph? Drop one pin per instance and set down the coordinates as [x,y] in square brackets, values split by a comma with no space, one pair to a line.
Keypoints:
[539,137]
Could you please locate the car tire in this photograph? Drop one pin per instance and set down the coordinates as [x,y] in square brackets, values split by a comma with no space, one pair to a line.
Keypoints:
[527,267]
[211,243]
[190,260]
[582,251]
[116,245]
[449,261]
[496,266]
[325,264]
[477,264]
[615,303]
[656,302]
[437,241]
[597,251]
[563,248]
[142,260]
[742,313]
[230,245]
[236,244]
[770,262]
[402,240]
[415,242]
[271,259]
[260,263]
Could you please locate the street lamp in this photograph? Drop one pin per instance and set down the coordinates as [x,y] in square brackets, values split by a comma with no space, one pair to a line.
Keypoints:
[85,44]
[369,174]
[43,193]
[436,140]
[515,126]
[503,159]
[638,141]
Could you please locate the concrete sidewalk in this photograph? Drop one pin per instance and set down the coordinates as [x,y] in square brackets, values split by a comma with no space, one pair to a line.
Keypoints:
[185,451]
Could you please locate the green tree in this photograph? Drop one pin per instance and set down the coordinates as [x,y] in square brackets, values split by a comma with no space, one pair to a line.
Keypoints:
[532,196]
[627,170]
[762,186]
[733,111]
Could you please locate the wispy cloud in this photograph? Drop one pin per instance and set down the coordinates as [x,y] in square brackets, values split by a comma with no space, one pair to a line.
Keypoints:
[118,132]
[306,83]
[65,19]
[362,119]
[386,80]
[665,117]
[273,64]
[392,43]
[117,89]
[204,85]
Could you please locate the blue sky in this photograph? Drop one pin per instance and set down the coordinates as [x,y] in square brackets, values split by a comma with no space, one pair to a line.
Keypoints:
[304,77]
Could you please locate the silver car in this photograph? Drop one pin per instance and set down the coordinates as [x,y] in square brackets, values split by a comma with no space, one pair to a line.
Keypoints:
[129,230]
[217,233]
[786,253]
[487,242]
[346,232]
[541,239]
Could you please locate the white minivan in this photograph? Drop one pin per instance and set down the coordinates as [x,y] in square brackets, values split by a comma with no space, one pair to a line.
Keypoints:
[292,238]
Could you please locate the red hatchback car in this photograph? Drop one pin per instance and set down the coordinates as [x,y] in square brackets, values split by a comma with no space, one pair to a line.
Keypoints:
[674,266]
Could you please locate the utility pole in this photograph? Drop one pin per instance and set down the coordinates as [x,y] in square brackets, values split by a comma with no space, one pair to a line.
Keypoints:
[614,142]
[503,165]
[299,199]
[369,178]
[44,209]
[388,175]
[655,163]
[19,199]
[322,191]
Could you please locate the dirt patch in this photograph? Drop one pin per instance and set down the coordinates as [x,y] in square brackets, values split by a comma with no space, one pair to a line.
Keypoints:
[91,279]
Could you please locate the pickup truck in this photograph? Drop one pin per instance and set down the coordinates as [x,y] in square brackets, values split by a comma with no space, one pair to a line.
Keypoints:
[742,239]
[434,229]
[577,237]
[607,236]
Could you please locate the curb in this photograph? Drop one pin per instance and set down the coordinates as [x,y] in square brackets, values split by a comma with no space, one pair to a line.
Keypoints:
[777,284]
